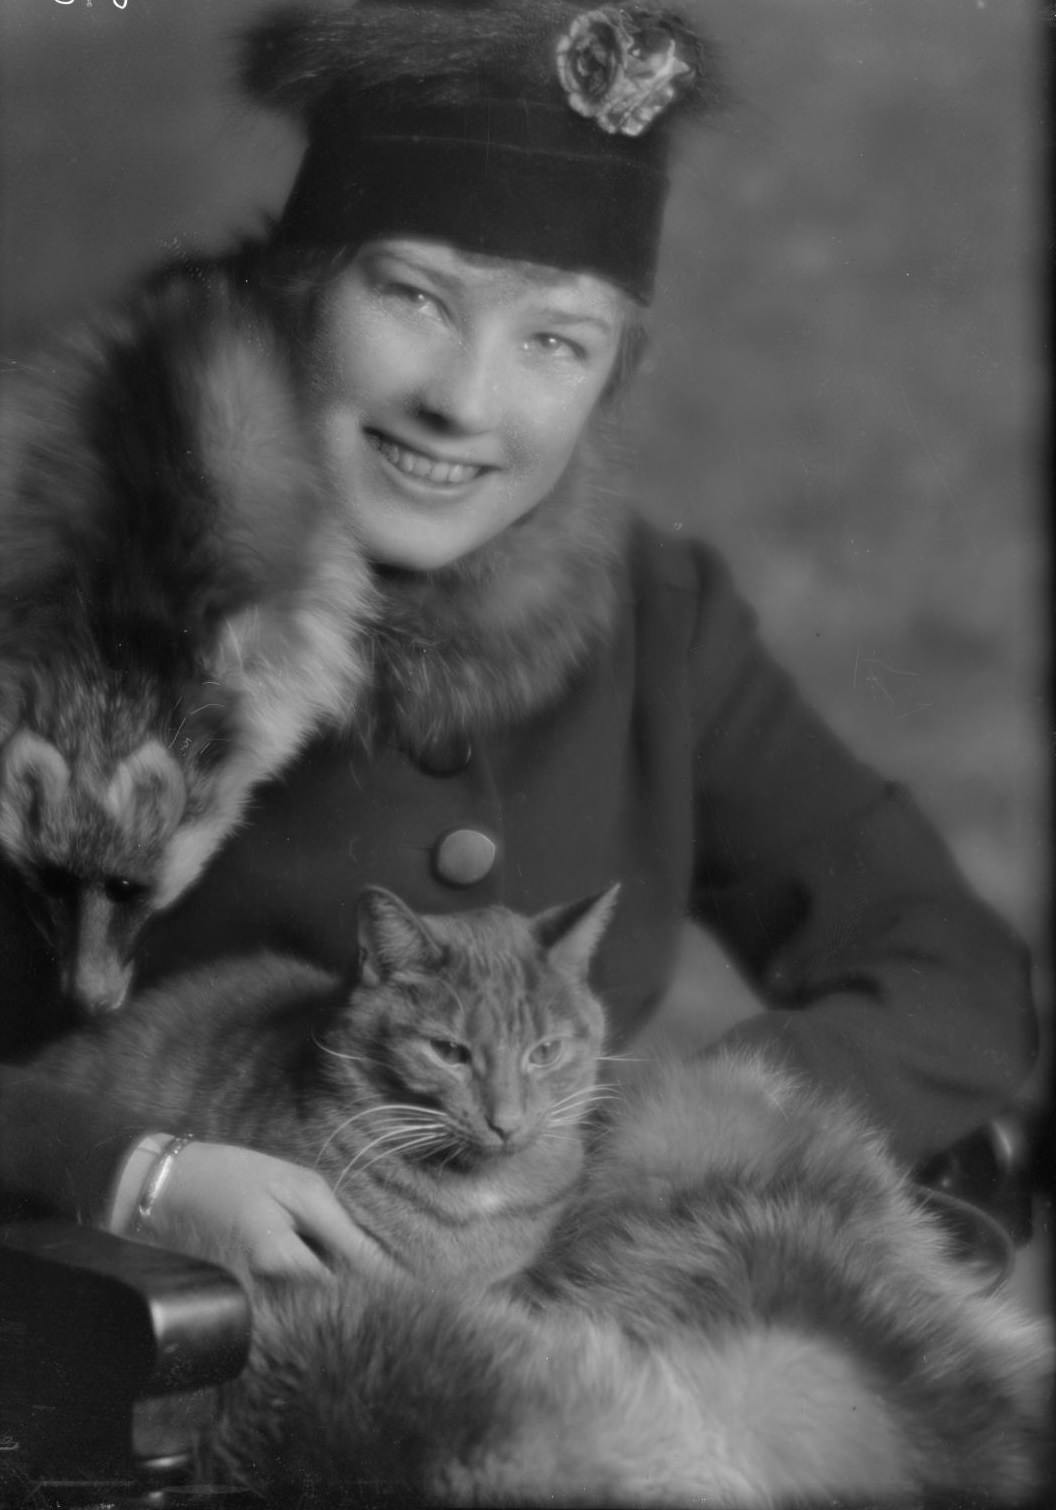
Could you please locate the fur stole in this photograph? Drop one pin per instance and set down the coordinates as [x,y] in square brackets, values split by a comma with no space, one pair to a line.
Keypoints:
[500,634]
[183,605]
[175,576]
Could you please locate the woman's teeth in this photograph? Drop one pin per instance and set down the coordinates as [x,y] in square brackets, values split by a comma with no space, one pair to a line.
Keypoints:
[423,467]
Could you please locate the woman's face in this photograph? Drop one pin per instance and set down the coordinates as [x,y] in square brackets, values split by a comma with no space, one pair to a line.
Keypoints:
[455,390]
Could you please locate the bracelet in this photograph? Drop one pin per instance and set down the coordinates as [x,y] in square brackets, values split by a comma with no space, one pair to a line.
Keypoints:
[158,1178]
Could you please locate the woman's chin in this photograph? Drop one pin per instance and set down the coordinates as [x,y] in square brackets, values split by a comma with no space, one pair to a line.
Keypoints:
[405,536]
[417,548]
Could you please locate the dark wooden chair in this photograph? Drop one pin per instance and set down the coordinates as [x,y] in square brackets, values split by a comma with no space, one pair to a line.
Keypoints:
[110,1355]
[984,1188]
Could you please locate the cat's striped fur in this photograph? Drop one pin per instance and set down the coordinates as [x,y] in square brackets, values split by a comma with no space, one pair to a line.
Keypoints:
[443,1093]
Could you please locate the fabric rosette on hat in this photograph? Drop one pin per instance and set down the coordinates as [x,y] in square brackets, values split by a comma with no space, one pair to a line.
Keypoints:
[536,130]
[618,71]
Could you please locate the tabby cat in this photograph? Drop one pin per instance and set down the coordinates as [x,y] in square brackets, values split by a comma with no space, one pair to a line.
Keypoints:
[442,1093]
[736,1301]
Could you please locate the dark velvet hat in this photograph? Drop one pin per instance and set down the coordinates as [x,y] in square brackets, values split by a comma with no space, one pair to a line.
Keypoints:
[532,129]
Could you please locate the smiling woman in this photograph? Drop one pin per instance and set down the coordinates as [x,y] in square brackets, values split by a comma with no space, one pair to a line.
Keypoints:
[561,695]
[455,391]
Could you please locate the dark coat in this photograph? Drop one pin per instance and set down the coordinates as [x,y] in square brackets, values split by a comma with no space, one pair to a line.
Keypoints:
[683,763]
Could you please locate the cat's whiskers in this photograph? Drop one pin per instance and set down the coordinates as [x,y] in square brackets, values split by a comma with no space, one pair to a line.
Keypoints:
[402,1148]
[355,1163]
[576,1105]
[435,1133]
[451,1155]
[385,1108]
[344,1054]
[583,1106]
[414,1107]
[420,1140]
[575,1116]
[595,1088]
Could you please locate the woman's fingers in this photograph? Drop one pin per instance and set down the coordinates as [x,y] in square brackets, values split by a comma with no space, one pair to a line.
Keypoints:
[322,1221]
[257,1214]
[283,1252]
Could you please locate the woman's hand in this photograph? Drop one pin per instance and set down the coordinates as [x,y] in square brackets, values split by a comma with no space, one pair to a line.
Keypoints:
[257,1214]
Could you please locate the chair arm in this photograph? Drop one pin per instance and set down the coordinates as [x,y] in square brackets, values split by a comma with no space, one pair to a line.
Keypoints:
[89,1325]
[992,1168]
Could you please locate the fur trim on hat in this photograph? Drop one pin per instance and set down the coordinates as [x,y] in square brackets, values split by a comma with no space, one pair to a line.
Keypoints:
[500,634]
[435,52]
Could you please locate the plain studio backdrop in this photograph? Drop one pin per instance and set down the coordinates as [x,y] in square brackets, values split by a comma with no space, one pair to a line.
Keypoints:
[845,388]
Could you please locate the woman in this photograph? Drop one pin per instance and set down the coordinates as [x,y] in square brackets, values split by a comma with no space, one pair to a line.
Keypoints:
[563,696]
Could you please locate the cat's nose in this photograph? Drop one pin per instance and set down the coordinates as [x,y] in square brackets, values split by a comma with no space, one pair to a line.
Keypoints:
[504,1127]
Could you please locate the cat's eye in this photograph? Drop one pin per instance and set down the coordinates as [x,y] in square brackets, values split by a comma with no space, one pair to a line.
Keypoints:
[546,1052]
[449,1050]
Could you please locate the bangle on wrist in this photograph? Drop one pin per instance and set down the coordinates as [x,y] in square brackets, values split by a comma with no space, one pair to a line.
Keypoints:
[157,1178]
[119,1213]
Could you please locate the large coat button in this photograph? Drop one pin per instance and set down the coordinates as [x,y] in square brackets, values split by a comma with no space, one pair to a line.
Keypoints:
[464,856]
[445,757]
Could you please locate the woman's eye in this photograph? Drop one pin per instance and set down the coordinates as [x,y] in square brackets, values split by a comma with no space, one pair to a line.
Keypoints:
[546,1052]
[551,345]
[449,1050]
[407,293]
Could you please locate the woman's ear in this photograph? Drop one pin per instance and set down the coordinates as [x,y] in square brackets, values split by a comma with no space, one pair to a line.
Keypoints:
[630,353]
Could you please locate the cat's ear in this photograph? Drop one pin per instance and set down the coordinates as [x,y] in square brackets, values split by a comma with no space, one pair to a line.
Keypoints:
[393,939]
[570,934]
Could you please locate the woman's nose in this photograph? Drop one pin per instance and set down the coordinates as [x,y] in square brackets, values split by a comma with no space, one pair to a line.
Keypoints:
[463,389]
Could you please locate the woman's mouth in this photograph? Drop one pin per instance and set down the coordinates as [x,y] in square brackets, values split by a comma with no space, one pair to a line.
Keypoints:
[423,468]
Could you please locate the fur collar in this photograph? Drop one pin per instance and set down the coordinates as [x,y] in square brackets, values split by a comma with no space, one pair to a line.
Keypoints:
[499,634]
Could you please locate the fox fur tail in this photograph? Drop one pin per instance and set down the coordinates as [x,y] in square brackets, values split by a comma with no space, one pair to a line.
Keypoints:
[777,1324]
[388,1389]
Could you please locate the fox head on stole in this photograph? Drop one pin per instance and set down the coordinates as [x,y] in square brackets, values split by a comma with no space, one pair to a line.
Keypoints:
[182,605]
